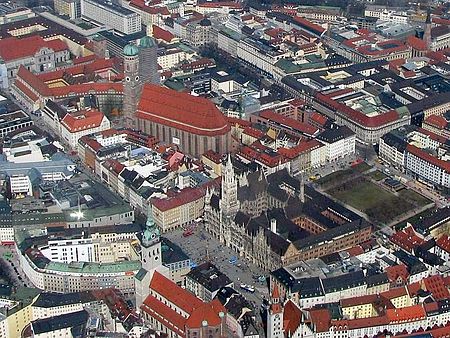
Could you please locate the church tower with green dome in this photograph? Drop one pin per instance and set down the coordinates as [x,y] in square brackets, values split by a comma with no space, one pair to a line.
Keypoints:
[151,259]
[151,244]
[131,84]
[148,57]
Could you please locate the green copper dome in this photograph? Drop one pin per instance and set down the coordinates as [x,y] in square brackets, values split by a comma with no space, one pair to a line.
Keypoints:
[147,42]
[151,233]
[130,50]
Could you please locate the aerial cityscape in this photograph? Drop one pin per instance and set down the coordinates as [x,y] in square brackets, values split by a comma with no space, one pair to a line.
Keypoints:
[224,169]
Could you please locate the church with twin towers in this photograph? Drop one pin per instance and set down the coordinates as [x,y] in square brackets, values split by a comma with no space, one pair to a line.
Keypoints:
[140,67]
[192,124]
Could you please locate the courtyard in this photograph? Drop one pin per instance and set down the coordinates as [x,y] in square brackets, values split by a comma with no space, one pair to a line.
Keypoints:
[365,192]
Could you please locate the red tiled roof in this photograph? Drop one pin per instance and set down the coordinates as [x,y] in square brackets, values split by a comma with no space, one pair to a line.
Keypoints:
[318,118]
[213,156]
[405,314]
[407,239]
[33,81]
[172,292]
[321,318]
[352,324]
[28,92]
[164,314]
[198,64]
[432,135]
[86,88]
[441,21]
[395,271]
[308,25]
[368,299]
[109,132]
[221,4]
[114,165]
[182,111]
[91,143]
[240,122]
[84,59]
[436,121]
[82,120]
[275,32]
[438,56]
[397,63]
[413,289]
[297,103]
[444,165]
[256,133]
[162,34]
[185,196]
[149,8]
[302,147]
[357,116]
[355,251]
[292,317]
[288,122]
[416,43]
[207,311]
[436,285]
[29,46]
[444,243]
[395,293]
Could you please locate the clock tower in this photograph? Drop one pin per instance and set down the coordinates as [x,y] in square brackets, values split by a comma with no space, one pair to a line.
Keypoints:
[275,316]
[151,244]
[151,259]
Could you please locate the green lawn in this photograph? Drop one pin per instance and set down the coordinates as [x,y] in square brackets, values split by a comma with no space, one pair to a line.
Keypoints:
[362,167]
[414,197]
[377,175]
[337,175]
[363,195]
[380,205]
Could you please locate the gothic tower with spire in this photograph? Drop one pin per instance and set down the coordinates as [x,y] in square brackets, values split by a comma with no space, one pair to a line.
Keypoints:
[229,201]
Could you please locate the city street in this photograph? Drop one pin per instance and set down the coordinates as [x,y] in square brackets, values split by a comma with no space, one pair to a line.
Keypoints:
[9,258]
[200,245]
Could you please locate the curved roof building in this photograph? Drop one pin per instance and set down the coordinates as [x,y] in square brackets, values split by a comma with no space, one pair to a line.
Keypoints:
[193,123]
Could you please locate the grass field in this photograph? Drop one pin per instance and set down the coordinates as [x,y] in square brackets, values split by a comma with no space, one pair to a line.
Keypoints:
[377,175]
[380,205]
[363,195]
[342,175]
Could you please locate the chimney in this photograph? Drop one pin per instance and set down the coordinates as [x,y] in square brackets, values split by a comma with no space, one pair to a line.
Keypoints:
[273,225]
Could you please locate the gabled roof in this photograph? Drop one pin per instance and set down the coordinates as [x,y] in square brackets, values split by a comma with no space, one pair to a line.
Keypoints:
[178,296]
[29,46]
[162,34]
[207,311]
[186,195]
[292,317]
[82,120]
[33,81]
[422,154]
[182,111]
